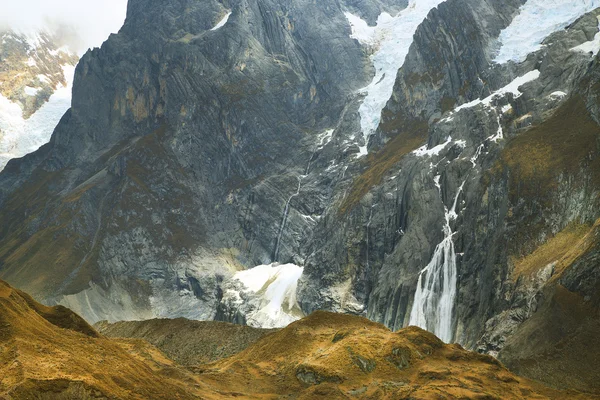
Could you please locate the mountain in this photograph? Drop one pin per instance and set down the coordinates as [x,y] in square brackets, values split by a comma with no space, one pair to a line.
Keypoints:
[429,163]
[189,343]
[36,74]
[51,353]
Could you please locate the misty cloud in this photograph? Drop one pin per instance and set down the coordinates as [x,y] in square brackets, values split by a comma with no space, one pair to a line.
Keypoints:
[81,24]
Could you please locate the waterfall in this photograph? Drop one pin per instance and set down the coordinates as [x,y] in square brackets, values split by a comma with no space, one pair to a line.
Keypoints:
[436,288]
[284,220]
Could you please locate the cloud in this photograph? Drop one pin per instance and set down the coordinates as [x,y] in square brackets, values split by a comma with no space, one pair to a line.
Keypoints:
[80,23]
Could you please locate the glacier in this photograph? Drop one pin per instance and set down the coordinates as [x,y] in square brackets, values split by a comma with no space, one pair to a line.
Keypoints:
[536,20]
[270,290]
[390,39]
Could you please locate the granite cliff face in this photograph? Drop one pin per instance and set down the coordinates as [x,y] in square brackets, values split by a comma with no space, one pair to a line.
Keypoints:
[459,194]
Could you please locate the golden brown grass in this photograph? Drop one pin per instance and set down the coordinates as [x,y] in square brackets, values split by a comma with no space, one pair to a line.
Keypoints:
[50,353]
[338,356]
[561,248]
[46,351]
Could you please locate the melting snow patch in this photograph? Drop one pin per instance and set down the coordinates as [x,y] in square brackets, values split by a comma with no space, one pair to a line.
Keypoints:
[29,91]
[222,22]
[425,152]
[593,46]
[557,94]
[536,21]
[499,134]
[325,138]
[512,87]
[274,287]
[391,39]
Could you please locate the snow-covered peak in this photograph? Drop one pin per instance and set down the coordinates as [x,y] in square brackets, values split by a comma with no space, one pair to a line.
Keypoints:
[538,19]
[34,93]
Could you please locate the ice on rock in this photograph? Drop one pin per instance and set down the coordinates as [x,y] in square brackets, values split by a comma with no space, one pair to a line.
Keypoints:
[19,136]
[273,288]
[361,31]
[222,22]
[391,39]
[538,19]
[434,151]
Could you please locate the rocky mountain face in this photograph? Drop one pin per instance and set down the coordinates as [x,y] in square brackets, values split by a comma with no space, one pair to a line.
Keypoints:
[36,74]
[411,162]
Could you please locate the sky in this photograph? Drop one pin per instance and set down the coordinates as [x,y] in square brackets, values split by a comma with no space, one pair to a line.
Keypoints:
[81,23]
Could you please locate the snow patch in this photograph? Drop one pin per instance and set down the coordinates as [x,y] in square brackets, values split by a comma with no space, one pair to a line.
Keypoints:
[536,21]
[30,91]
[499,134]
[434,151]
[325,138]
[222,22]
[557,94]
[391,39]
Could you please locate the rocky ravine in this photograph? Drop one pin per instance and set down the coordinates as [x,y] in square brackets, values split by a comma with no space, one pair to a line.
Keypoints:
[205,139]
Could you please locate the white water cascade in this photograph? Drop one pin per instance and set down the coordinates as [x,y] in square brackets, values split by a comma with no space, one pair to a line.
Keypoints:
[433,304]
